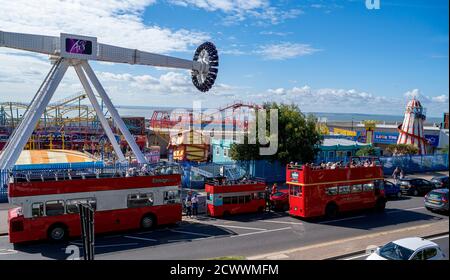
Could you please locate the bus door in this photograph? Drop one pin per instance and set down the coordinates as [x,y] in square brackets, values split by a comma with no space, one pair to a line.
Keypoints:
[296,205]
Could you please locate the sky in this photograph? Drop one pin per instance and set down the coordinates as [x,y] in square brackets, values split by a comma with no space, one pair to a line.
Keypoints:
[324,55]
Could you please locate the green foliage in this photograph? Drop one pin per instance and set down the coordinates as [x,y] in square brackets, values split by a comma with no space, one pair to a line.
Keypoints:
[366,151]
[402,149]
[298,137]
[445,150]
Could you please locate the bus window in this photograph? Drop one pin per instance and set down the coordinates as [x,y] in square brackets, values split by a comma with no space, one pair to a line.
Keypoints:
[241,199]
[296,191]
[344,189]
[37,209]
[234,200]
[247,198]
[140,200]
[72,204]
[356,188]
[368,187]
[54,208]
[171,197]
[227,200]
[332,191]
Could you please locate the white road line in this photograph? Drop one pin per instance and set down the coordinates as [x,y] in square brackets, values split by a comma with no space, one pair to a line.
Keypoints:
[259,232]
[115,245]
[281,222]
[401,210]
[249,228]
[356,257]
[108,245]
[140,238]
[191,233]
[230,226]
[345,219]
[439,237]
[3,236]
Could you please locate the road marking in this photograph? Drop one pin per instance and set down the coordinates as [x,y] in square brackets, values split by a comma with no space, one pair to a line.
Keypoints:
[191,233]
[278,257]
[345,219]
[140,238]
[7,251]
[356,257]
[282,222]
[439,237]
[259,232]
[108,245]
[249,228]
[115,245]
[401,210]
[230,226]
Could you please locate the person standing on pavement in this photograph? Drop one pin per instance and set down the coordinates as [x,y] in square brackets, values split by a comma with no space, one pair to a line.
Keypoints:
[396,174]
[189,205]
[267,199]
[274,188]
[194,201]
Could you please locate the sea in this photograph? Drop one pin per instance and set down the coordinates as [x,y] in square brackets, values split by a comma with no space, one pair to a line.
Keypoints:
[147,111]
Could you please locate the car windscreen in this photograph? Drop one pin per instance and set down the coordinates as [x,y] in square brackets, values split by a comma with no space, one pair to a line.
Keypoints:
[392,251]
[435,195]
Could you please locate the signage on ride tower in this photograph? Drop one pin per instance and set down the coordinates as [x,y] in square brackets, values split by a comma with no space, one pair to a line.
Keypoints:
[79,47]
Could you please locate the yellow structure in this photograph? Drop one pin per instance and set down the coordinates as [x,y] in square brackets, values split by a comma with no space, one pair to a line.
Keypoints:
[344,132]
[190,145]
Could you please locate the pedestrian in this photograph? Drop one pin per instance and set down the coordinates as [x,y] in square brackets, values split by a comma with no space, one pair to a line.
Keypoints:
[267,199]
[402,174]
[274,188]
[194,201]
[396,174]
[189,205]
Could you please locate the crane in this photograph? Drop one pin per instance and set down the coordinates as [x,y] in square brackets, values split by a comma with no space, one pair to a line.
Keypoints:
[76,51]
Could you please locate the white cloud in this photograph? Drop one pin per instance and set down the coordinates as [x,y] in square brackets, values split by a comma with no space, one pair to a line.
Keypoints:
[285,50]
[239,10]
[112,21]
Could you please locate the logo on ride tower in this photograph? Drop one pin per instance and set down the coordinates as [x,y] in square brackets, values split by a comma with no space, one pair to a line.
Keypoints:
[294,176]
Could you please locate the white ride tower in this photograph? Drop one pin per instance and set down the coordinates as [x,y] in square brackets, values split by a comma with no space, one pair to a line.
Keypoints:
[411,130]
[75,50]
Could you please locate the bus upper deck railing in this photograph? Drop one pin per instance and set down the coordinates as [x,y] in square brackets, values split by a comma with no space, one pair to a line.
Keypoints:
[126,170]
[244,181]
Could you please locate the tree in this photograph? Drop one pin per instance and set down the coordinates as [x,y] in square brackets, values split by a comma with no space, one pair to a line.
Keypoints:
[298,137]
[402,149]
[366,151]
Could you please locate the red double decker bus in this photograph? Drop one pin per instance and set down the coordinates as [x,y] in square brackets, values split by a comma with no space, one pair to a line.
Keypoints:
[234,197]
[47,206]
[326,192]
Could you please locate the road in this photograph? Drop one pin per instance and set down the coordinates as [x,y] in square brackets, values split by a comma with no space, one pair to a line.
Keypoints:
[244,235]
[442,241]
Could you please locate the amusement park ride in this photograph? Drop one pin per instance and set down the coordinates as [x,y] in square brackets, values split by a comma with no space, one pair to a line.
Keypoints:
[75,50]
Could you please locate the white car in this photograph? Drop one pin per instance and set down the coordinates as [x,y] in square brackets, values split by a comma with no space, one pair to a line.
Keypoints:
[413,248]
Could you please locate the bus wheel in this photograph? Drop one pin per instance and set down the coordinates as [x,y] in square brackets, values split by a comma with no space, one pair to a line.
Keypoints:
[57,232]
[148,222]
[380,205]
[331,210]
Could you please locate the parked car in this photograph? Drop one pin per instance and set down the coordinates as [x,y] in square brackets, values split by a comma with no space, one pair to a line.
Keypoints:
[437,200]
[440,181]
[391,190]
[415,186]
[280,200]
[412,248]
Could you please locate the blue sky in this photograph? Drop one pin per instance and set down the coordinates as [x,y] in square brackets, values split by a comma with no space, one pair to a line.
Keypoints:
[326,56]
